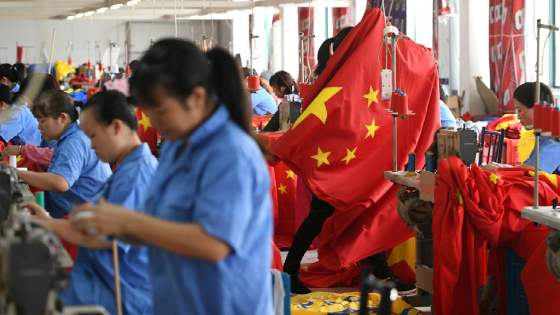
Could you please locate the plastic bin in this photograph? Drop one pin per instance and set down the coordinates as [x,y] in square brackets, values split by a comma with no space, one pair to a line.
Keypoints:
[516,299]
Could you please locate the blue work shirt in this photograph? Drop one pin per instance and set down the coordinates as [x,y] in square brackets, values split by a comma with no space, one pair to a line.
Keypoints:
[549,156]
[20,123]
[92,278]
[220,181]
[74,160]
[447,118]
[263,102]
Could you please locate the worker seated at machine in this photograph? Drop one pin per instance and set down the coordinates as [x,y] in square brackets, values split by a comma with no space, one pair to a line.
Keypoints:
[283,84]
[17,124]
[524,98]
[261,100]
[110,123]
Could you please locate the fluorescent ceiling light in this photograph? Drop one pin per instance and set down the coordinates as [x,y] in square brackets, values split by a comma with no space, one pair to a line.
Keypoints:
[79,15]
[71,17]
[116,6]
[88,13]
[131,3]
[102,10]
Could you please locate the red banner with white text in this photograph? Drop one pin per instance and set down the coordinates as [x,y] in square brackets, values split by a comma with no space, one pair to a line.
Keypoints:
[341,19]
[507,50]
[306,20]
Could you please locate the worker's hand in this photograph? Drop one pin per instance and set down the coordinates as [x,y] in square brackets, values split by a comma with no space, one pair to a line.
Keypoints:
[65,230]
[105,218]
[10,150]
[37,211]
[492,167]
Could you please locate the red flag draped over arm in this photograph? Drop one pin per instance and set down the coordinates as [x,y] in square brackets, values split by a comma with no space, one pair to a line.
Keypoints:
[342,143]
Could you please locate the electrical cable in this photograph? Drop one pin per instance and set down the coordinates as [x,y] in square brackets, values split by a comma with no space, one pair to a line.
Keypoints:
[152,26]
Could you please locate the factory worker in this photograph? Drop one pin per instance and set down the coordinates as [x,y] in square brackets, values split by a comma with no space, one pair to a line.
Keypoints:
[261,100]
[41,154]
[110,123]
[12,75]
[323,56]
[283,84]
[17,124]
[549,151]
[208,217]
[75,174]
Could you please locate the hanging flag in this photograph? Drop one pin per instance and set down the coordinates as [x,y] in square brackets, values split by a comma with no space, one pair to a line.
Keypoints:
[507,50]
[341,144]
[341,19]
[146,131]
[306,20]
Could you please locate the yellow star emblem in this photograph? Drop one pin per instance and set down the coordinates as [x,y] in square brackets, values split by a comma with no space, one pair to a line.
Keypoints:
[283,189]
[145,122]
[372,96]
[405,251]
[350,155]
[371,129]
[290,174]
[321,157]
[459,197]
[318,107]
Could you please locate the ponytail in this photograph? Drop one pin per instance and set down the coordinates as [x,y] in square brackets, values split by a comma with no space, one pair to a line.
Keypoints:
[229,88]
[10,72]
[6,94]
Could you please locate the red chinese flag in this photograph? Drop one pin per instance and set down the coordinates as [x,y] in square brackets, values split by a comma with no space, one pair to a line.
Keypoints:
[342,143]
[146,132]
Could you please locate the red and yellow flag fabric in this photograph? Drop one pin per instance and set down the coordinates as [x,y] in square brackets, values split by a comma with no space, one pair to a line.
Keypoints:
[472,206]
[342,143]
[146,131]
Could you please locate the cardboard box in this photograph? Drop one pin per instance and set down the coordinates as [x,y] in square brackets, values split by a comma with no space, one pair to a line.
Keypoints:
[455,104]
[488,96]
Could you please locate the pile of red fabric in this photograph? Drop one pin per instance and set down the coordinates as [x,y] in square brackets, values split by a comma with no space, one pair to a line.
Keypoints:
[474,206]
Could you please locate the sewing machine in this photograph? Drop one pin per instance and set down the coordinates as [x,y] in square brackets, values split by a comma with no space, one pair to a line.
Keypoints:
[288,113]
[416,201]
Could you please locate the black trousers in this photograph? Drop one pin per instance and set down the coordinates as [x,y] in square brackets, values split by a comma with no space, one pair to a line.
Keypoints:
[311,227]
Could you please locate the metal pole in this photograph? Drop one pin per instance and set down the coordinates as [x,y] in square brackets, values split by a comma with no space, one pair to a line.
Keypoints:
[394,143]
[302,68]
[536,197]
[394,44]
[538,87]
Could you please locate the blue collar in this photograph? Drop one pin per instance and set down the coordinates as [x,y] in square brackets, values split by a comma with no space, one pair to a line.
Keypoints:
[210,126]
[74,127]
[136,154]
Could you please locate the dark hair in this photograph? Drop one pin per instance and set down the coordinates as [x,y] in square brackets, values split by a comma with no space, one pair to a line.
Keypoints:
[284,79]
[179,66]
[247,72]
[10,72]
[133,64]
[6,94]
[47,82]
[340,36]
[442,95]
[20,67]
[323,56]
[110,105]
[525,94]
[54,103]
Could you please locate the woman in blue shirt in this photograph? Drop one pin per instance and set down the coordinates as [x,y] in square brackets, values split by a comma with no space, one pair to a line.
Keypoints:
[110,123]
[12,75]
[17,124]
[75,174]
[208,217]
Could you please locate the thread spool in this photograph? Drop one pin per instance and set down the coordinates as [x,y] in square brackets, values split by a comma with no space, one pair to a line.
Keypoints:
[430,161]
[537,115]
[546,116]
[411,164]
[100,66]
[253,82]
[40,198]
[395,98]
[89,64]
[70,61]
[403,104]
[13,161]
[555,128]
[127,70]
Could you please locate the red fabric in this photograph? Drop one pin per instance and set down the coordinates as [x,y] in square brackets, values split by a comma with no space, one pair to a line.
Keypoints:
[146,132]
[492,126]
[488,211]
[258,120]
[365,221]
[276,258]
[467,117]
[514,131]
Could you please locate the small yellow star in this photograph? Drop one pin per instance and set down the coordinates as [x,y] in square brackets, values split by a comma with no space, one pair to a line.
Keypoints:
[283,189]
[290,174]
[459,197]
[321,157]
[372,96]
[371,129]
[145,122]
[350,155]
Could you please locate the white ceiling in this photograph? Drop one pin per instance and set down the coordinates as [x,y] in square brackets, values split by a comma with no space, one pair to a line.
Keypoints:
[144,10]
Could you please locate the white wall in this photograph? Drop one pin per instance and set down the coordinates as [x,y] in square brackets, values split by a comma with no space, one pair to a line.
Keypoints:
[289,17]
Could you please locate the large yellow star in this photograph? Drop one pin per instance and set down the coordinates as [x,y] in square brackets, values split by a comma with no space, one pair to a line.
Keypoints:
[372,96]
[371,129]
[290,174]
[145,122]
[405,251]
[283,189]
[318,107]
[321,157]
[350,155]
